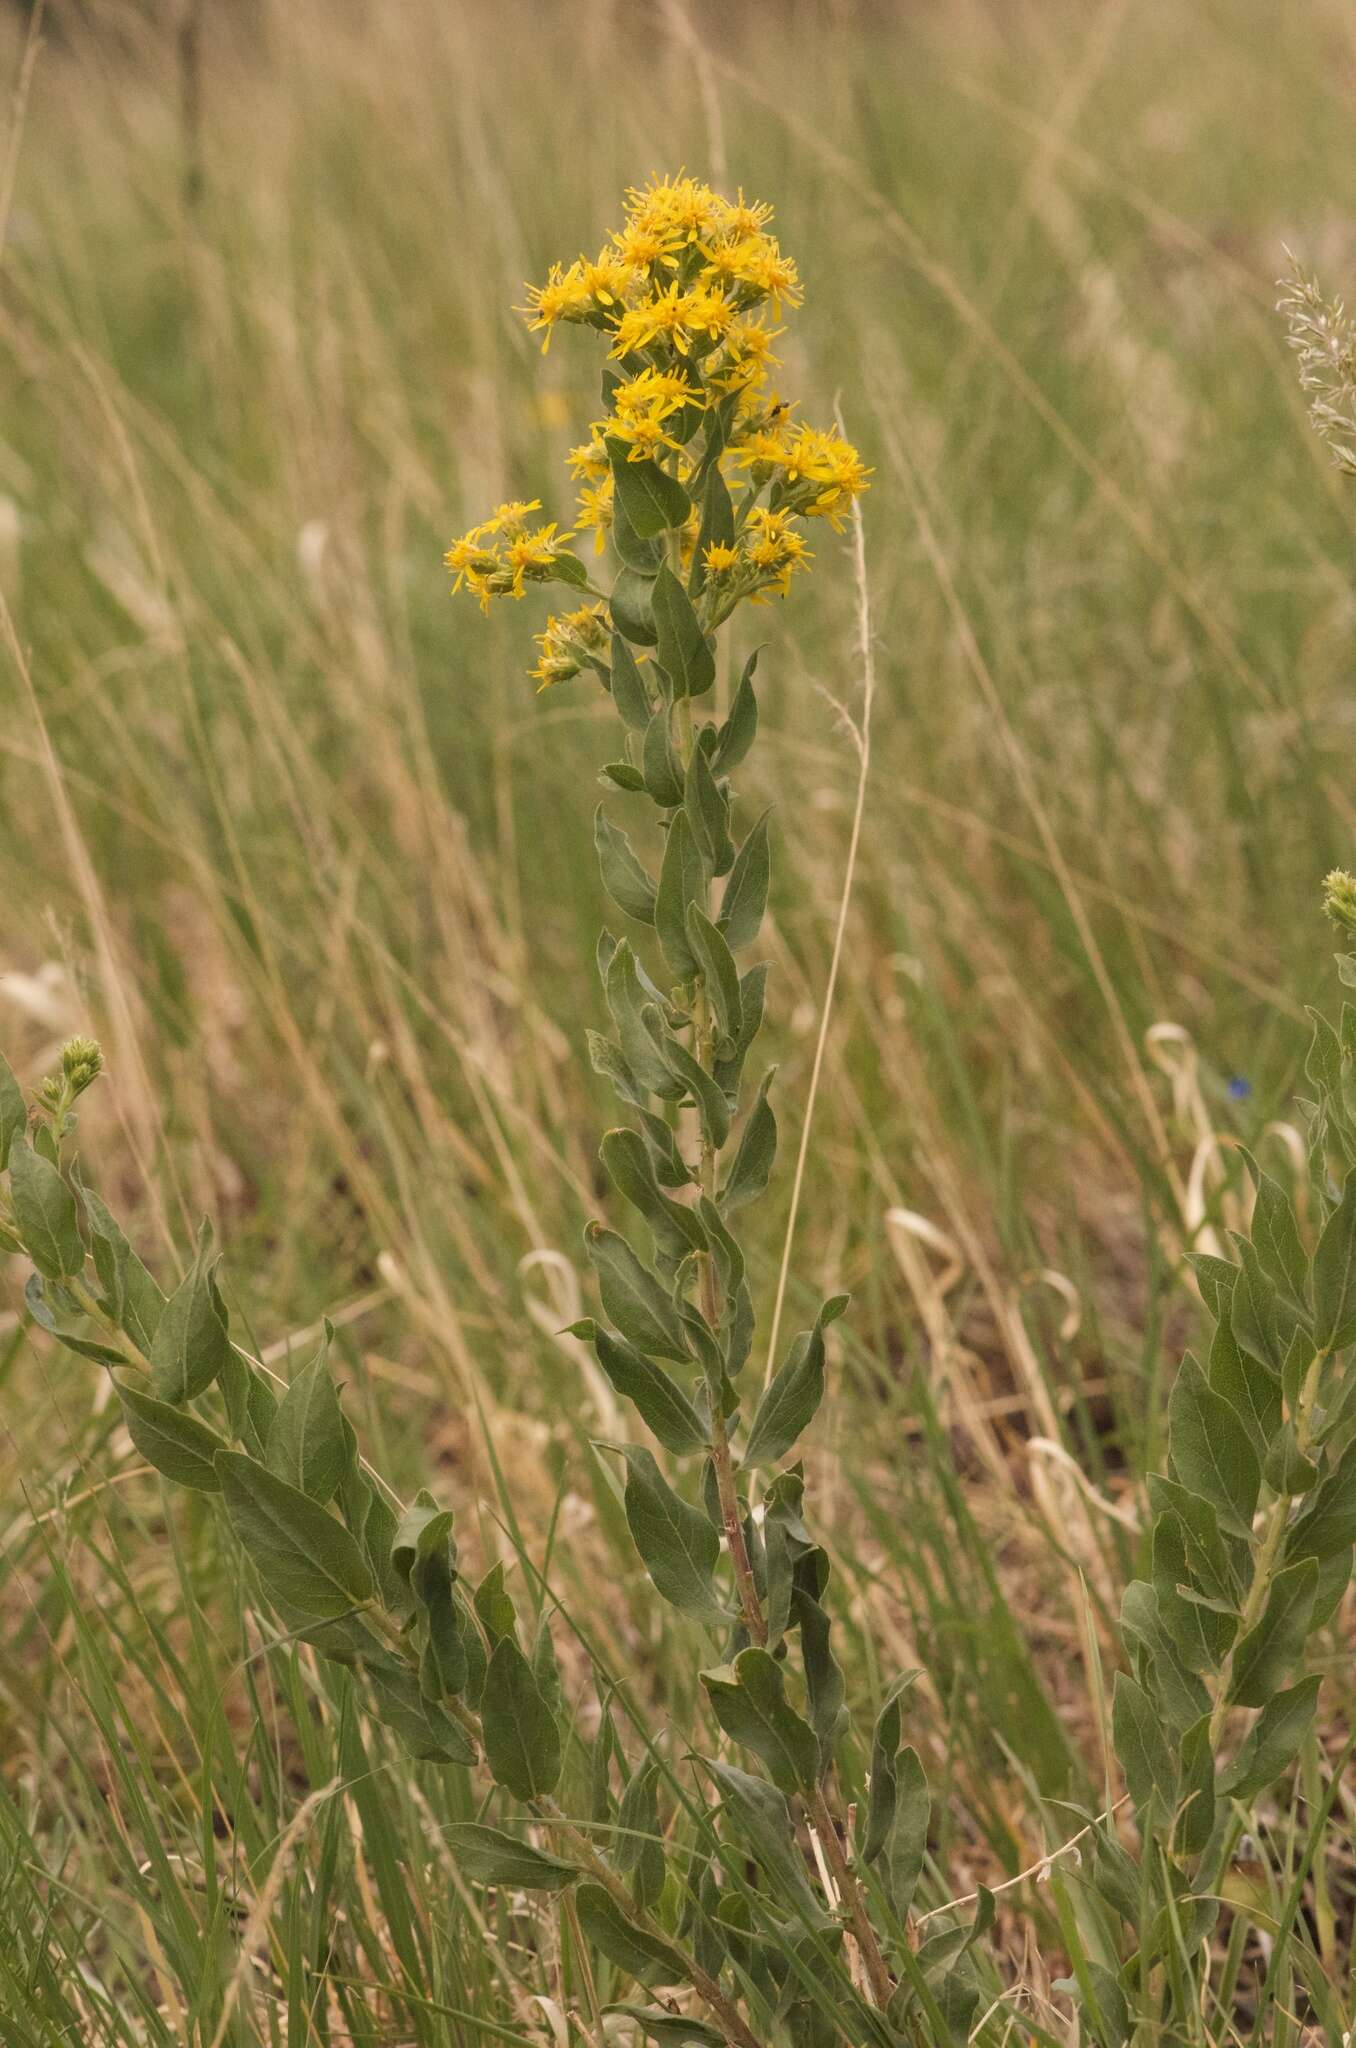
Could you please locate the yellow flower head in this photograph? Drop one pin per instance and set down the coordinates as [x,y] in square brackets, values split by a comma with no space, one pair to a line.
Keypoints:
[641,249]
[569,643]
[680,206]
[745,356]
[654,390]
[753,268]
[589,461]
[564,296]
[593,513]
[675,316]
[832,464]
[720,559]
[501,556]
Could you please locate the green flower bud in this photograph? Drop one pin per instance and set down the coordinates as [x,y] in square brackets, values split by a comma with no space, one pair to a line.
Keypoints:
[1339,899]
[81,1063]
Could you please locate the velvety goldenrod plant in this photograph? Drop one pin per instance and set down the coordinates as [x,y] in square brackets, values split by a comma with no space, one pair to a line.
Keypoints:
[756,1884]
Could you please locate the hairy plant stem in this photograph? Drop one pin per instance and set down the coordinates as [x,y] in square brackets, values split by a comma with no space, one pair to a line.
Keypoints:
[1278,1516]
[821,1815]
[751,1606]
[736,2032]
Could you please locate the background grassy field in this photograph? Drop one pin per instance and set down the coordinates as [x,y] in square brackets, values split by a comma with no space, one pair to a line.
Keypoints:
[285,827]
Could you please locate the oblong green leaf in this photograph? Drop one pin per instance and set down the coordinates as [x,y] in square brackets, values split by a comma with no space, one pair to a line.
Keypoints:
[745,898]
[634,1297]
[1211,1449]
[683,650]
[44,1209]
[624,878]
[176,1443]
[794,1395]
[522,1740]
[677,1544]
[488,1857]
[307,1444]
[299,1549]
[749,1700]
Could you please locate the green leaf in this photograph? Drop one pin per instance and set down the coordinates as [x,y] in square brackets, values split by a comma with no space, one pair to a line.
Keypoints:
[624,878]
[522,1740]
[717,524]
[760,1820]
[791,1400]
[677,1544]
[300,1551]
[824,1684]
[1274,1740]
[749,1701]
[639,1842]
[640,555]
[1323,1062]
[653,499]
[427,1731]
[682,882]
[632,602]
[670,2029]
[1216,1279]
[1196,1803]
[1328,1525]
[712,1106]
[908,1843]
[641,1954]
[191,1344]
[1211,1449]
[1335,1274]
[1178,1692]
[44,1209]
[740,729]
[752,1166]
[307,1444]
[486,1856]
[132,1297]
[1264,1657]
[1251,1388]
[1202,1635]
[684,652]
[745,897]
[1275,1234]
[630,993]
[493,1605]
[674,1226]
[662,770]
[708,813]
[1137,1731]
[1286,1468]
[421,1529]
[1206,1552]
[176,1444]
[634,1297]
[720,977]
[13,1110]
[1260,1320]
[659,1400]
[629,692]
[752,987]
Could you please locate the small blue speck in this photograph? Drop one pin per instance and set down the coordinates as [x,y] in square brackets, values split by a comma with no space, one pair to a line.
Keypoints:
[1240,1088]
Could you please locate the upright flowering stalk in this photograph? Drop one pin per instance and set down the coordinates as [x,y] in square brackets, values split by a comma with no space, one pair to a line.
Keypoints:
[705,483]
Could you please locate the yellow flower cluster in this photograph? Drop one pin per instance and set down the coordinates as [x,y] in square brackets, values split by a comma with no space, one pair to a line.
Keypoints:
[570,643]
[502,555]
[685,293]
